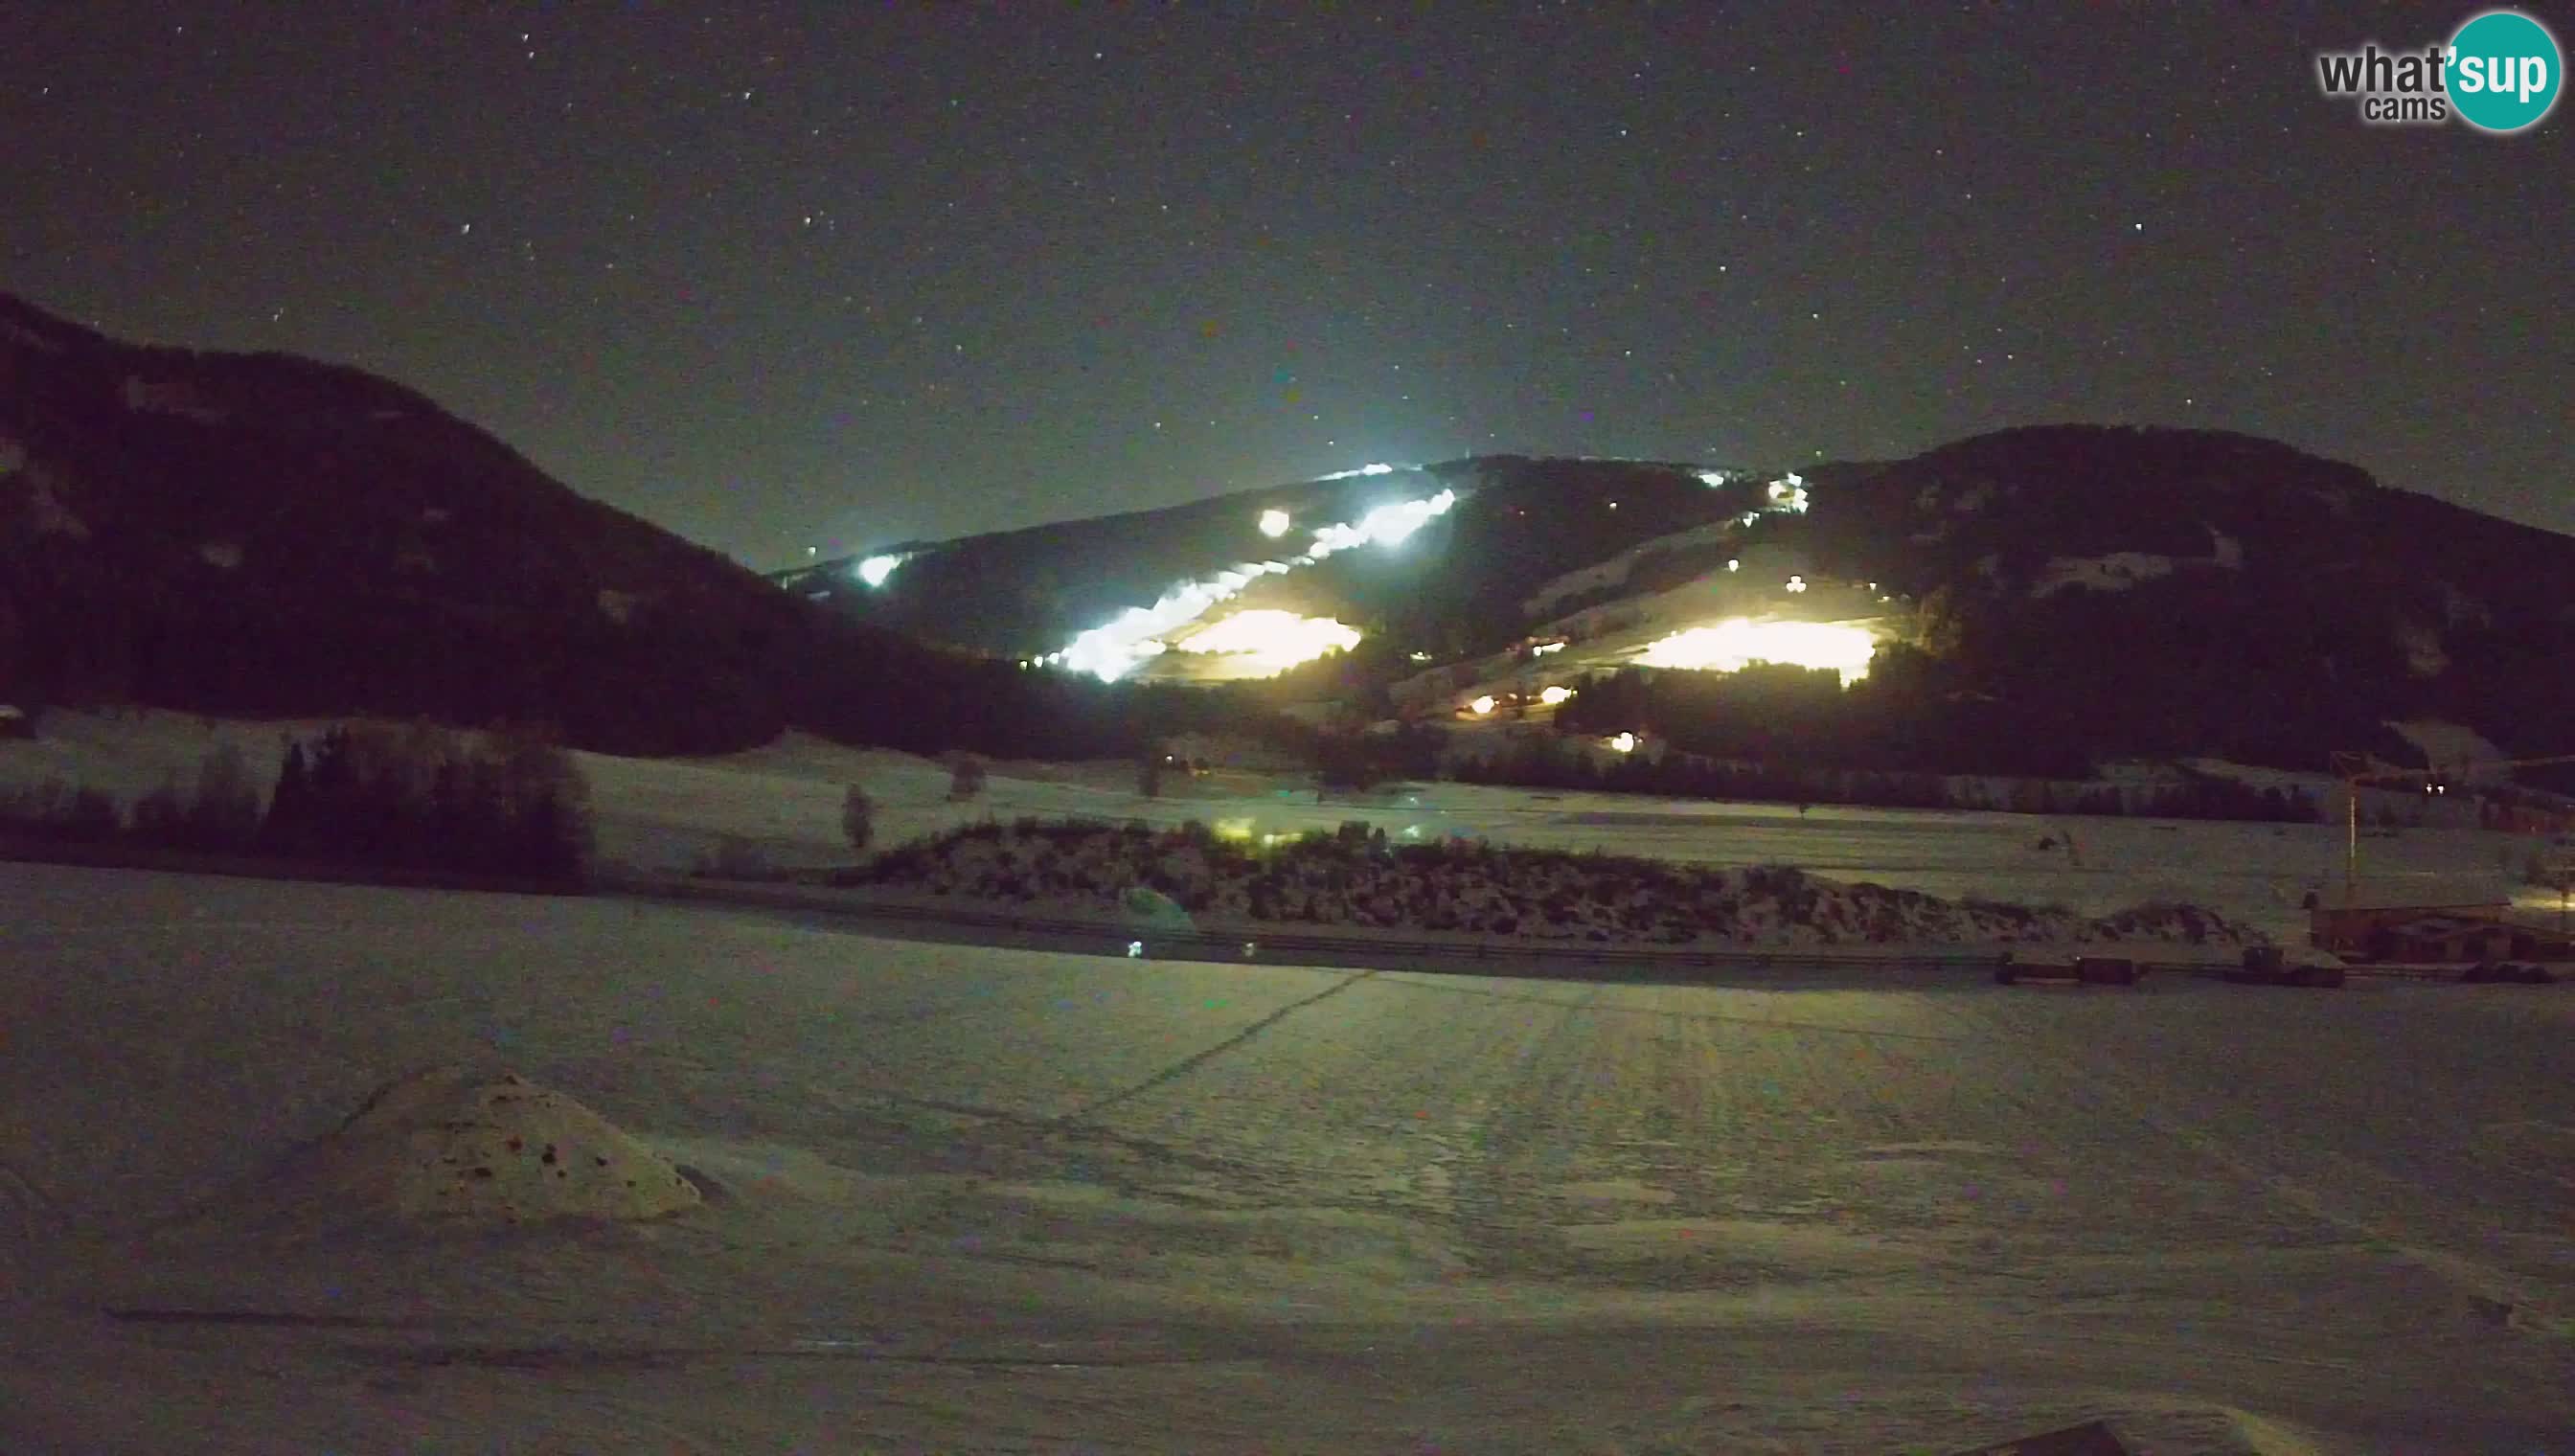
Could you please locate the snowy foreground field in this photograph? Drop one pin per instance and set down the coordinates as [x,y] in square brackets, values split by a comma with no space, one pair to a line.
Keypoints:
[785,800]
[971,1199]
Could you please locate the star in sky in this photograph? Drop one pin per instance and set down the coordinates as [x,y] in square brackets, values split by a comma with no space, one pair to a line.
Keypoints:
[773,271]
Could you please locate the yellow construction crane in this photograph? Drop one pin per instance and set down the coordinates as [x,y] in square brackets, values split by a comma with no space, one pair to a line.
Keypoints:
[2355,769]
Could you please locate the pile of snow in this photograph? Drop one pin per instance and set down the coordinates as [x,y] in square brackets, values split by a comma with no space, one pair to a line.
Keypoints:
[51,516]
[455,1147]
[2120,569]
[2116,571]
[1614,572]
[2424,655]
[2459,752]
[20,334]
[1471,888]
[2458,609]
[171,397]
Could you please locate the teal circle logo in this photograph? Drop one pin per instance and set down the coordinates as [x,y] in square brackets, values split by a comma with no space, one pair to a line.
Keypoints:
[2504,70]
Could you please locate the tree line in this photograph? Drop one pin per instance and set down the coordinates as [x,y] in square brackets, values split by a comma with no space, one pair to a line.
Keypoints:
[1568,764]
[421,798]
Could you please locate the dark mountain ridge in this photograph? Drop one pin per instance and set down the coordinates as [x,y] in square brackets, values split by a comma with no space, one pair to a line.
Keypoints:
[265,534]
[2068,593]
[1517,519]
[262,535]
[2171,591]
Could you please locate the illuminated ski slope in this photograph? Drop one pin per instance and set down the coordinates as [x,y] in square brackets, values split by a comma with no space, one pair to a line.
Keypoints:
[1739,642]
[1115,649]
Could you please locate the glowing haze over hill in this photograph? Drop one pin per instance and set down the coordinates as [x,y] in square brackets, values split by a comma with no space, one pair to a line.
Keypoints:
[1270,642]
[1267,640]
[1114,648]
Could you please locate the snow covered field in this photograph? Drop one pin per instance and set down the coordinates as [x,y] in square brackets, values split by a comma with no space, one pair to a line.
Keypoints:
[964,1198]
[786,800]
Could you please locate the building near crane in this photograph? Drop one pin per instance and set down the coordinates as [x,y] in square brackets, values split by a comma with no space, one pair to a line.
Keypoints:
[2445,941]
[2431,923]
[2360,919]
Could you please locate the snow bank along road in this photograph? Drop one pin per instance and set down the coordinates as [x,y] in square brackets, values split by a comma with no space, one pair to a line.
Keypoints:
[965,1198]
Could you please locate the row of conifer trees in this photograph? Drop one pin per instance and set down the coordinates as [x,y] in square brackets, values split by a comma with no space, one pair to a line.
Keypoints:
[496,805]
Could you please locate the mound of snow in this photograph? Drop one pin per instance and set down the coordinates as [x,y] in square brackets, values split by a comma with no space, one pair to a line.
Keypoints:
[1150,909]
[2462,752]
[50,517]
[457,1147]
[2116,571]
[1615,571]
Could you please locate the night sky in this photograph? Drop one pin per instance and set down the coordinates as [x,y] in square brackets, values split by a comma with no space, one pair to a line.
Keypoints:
[839,274]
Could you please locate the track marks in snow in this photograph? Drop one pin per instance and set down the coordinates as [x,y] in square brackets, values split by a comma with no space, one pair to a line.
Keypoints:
[1190,1063]
[2331,1140]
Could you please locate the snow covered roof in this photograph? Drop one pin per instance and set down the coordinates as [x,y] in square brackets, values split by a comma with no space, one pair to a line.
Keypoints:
[2432,927]
[2426,893]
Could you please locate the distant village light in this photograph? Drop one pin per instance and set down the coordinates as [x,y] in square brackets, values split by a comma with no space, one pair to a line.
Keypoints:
[876,569]
[1482,704]
[1273,523]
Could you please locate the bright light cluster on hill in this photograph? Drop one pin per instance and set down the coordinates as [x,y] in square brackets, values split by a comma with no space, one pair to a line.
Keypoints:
[1739,642]
[1114,648]
[1385,526]
[1273,523]
[876,569]
[1270,641]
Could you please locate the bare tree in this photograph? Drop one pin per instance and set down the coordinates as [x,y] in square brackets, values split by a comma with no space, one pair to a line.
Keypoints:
[858,819]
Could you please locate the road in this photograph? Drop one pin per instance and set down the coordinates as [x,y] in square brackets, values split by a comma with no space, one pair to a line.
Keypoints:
[1252,1207]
